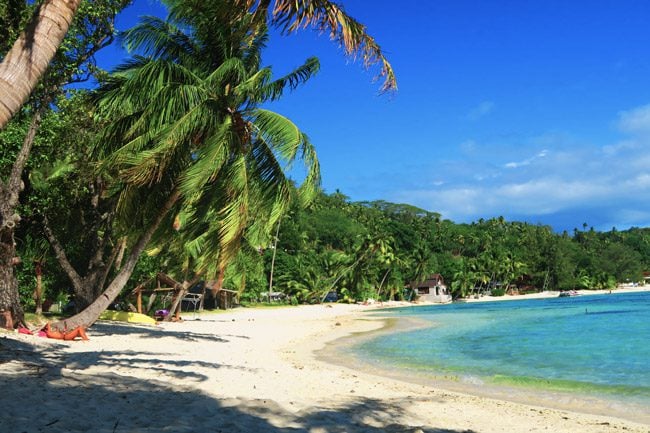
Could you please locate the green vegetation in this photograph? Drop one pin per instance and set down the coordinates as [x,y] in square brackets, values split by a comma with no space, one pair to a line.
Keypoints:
[373,249]
[177,164]
[173,152]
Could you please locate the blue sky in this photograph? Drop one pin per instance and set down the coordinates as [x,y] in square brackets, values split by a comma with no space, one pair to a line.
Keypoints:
[537,111]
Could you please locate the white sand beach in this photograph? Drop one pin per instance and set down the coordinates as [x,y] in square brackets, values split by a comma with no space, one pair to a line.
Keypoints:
[554,294]
[246,370]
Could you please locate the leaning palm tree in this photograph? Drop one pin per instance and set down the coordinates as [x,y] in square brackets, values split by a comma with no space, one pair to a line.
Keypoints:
[26,62]
[187,137]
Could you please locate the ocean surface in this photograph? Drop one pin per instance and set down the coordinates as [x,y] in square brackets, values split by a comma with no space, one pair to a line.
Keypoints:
[593,345]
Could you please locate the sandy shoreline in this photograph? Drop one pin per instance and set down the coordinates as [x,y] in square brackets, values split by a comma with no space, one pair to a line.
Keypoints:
[247,370]
[554,294]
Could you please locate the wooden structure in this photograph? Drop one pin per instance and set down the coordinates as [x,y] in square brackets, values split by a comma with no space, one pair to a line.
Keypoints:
[172,295]
[225,299]
[175,293]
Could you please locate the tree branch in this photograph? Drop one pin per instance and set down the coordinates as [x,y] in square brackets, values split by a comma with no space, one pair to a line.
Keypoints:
[14,183]
[61,257]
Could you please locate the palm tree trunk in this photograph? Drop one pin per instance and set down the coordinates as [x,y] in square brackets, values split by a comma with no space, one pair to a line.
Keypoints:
[275,249]
[382,285]
[90,315]
[9,219]
[26,62]
[11,312]
[38,293]
[175,309]
[218,285]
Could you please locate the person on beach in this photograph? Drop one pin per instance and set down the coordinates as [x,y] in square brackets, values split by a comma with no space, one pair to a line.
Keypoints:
[65,335]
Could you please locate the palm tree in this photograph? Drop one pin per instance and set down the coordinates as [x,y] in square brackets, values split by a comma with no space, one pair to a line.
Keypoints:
[187,135]
[26,62]
[463,282]
[24,65]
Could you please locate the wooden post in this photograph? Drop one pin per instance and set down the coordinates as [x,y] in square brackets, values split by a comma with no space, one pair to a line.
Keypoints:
[152,298]
[38,293]
[202,299]
[140,301]
[178,306]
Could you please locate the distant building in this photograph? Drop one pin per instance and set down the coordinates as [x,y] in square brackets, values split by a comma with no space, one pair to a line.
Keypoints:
[433,289]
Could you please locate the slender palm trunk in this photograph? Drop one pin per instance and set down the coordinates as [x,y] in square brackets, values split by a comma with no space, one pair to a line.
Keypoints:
[275,249]
[90,315]
[175,309]
[26,62]
[382,285]
[38,293]
[343,273]
[9,219]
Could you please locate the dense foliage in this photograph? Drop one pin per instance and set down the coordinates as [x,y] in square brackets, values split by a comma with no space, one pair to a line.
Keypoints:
[175,151]
[359,250]
[374,249]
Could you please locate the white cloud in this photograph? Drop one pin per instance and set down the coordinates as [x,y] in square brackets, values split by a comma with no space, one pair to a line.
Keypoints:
[564,178]
[621,146]
[641,181]
[481,110]
[636,120]
[527,161]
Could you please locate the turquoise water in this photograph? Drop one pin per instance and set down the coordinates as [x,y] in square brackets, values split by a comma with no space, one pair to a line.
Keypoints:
[597,344]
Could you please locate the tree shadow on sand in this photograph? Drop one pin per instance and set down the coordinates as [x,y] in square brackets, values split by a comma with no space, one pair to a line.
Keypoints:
[50,358]
[113,328]
[41,396]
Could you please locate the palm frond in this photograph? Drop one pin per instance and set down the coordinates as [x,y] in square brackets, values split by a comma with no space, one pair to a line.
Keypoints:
[328,16]
[132,88]
[185,117]
[300,75]
[231,72]
[208,161]
[282,135]
[160,39]
[234,215]
[311,185]
[252,54]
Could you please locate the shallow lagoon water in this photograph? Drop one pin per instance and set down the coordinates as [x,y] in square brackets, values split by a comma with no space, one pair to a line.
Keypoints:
[590,345]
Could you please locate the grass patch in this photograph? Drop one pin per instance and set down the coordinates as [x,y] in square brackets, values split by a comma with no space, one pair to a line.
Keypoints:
[40,319]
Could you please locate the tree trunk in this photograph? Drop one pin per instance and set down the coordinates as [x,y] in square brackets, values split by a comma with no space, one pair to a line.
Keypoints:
[183,289]
[218,285]
[38,293]
[11,312]
[175,309]
[9,219]
[275,249]
[26,62]
[382,285]
[202,303]
[90,315]
[87,288]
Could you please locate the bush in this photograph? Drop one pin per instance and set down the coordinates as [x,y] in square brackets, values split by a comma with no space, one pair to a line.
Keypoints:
[498,292]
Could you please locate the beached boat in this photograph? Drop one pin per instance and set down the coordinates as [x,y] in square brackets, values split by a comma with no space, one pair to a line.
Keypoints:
[127,316]
[568,293]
